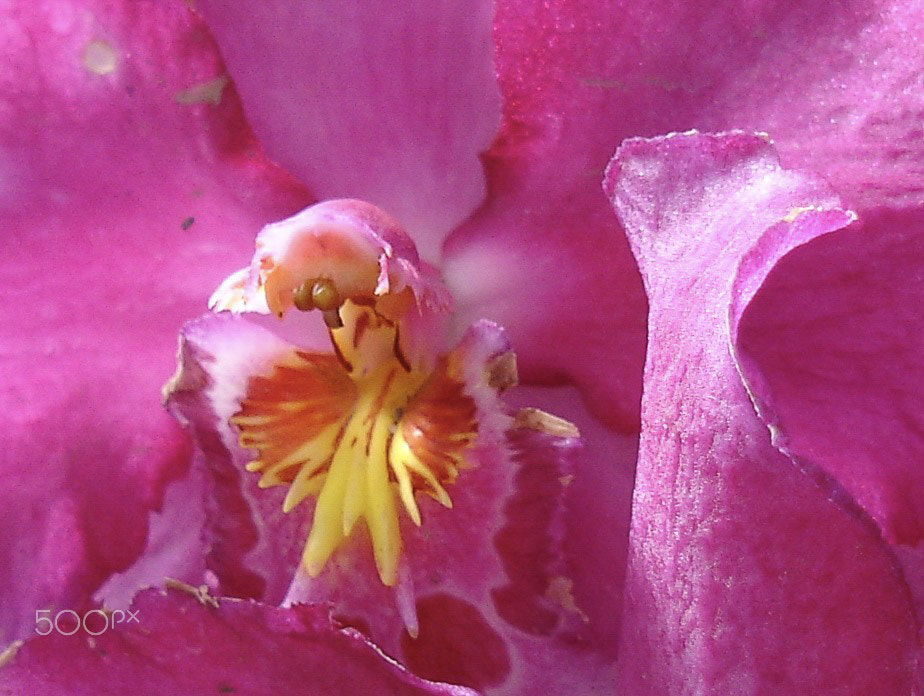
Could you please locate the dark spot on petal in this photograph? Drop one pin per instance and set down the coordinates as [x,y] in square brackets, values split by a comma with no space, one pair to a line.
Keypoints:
[455,645]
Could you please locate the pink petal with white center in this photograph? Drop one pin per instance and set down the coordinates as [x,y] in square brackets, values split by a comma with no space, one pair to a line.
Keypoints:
[389,104]
[748,571]
[119,178]
[180,643]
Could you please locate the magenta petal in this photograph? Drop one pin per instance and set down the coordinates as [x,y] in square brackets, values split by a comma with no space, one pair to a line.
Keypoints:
[391,104]
[545,257]
[127,196]
[746,572]
[179,643]
[852,112]
[553,268]
[833,342]
[840,87]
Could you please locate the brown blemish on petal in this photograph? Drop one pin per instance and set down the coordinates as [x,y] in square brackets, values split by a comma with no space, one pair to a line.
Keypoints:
[208,92]
[535,419]
[100,58]
[201,593]
[561,591]
[502,371]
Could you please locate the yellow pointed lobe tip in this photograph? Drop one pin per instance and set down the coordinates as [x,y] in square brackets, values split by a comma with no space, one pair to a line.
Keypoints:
[290,501]
[443,497]
[389,576]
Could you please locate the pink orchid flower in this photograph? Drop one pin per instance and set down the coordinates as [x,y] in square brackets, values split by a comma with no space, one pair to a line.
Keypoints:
[775,505]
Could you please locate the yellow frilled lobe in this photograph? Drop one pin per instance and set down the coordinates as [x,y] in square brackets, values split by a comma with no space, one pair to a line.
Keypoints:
[362,431]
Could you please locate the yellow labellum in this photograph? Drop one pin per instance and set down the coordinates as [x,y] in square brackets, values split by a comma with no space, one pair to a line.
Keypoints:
[362,431]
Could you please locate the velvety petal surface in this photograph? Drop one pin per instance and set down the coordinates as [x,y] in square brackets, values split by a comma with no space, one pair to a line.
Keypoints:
[749,571]
[181,643]
[129,185]
[391,104]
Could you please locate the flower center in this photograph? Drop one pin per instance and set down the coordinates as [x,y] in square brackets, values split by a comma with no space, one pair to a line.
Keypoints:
[389,418]
[361,429]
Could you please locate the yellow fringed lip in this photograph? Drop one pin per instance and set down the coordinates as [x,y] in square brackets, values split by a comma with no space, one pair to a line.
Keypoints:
[360,431]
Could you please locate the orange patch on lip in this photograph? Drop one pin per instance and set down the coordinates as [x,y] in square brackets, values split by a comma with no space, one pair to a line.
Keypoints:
[440,423]
[297,403]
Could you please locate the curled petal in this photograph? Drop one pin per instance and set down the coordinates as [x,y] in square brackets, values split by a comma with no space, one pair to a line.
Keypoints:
[746,567]
[831,347]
